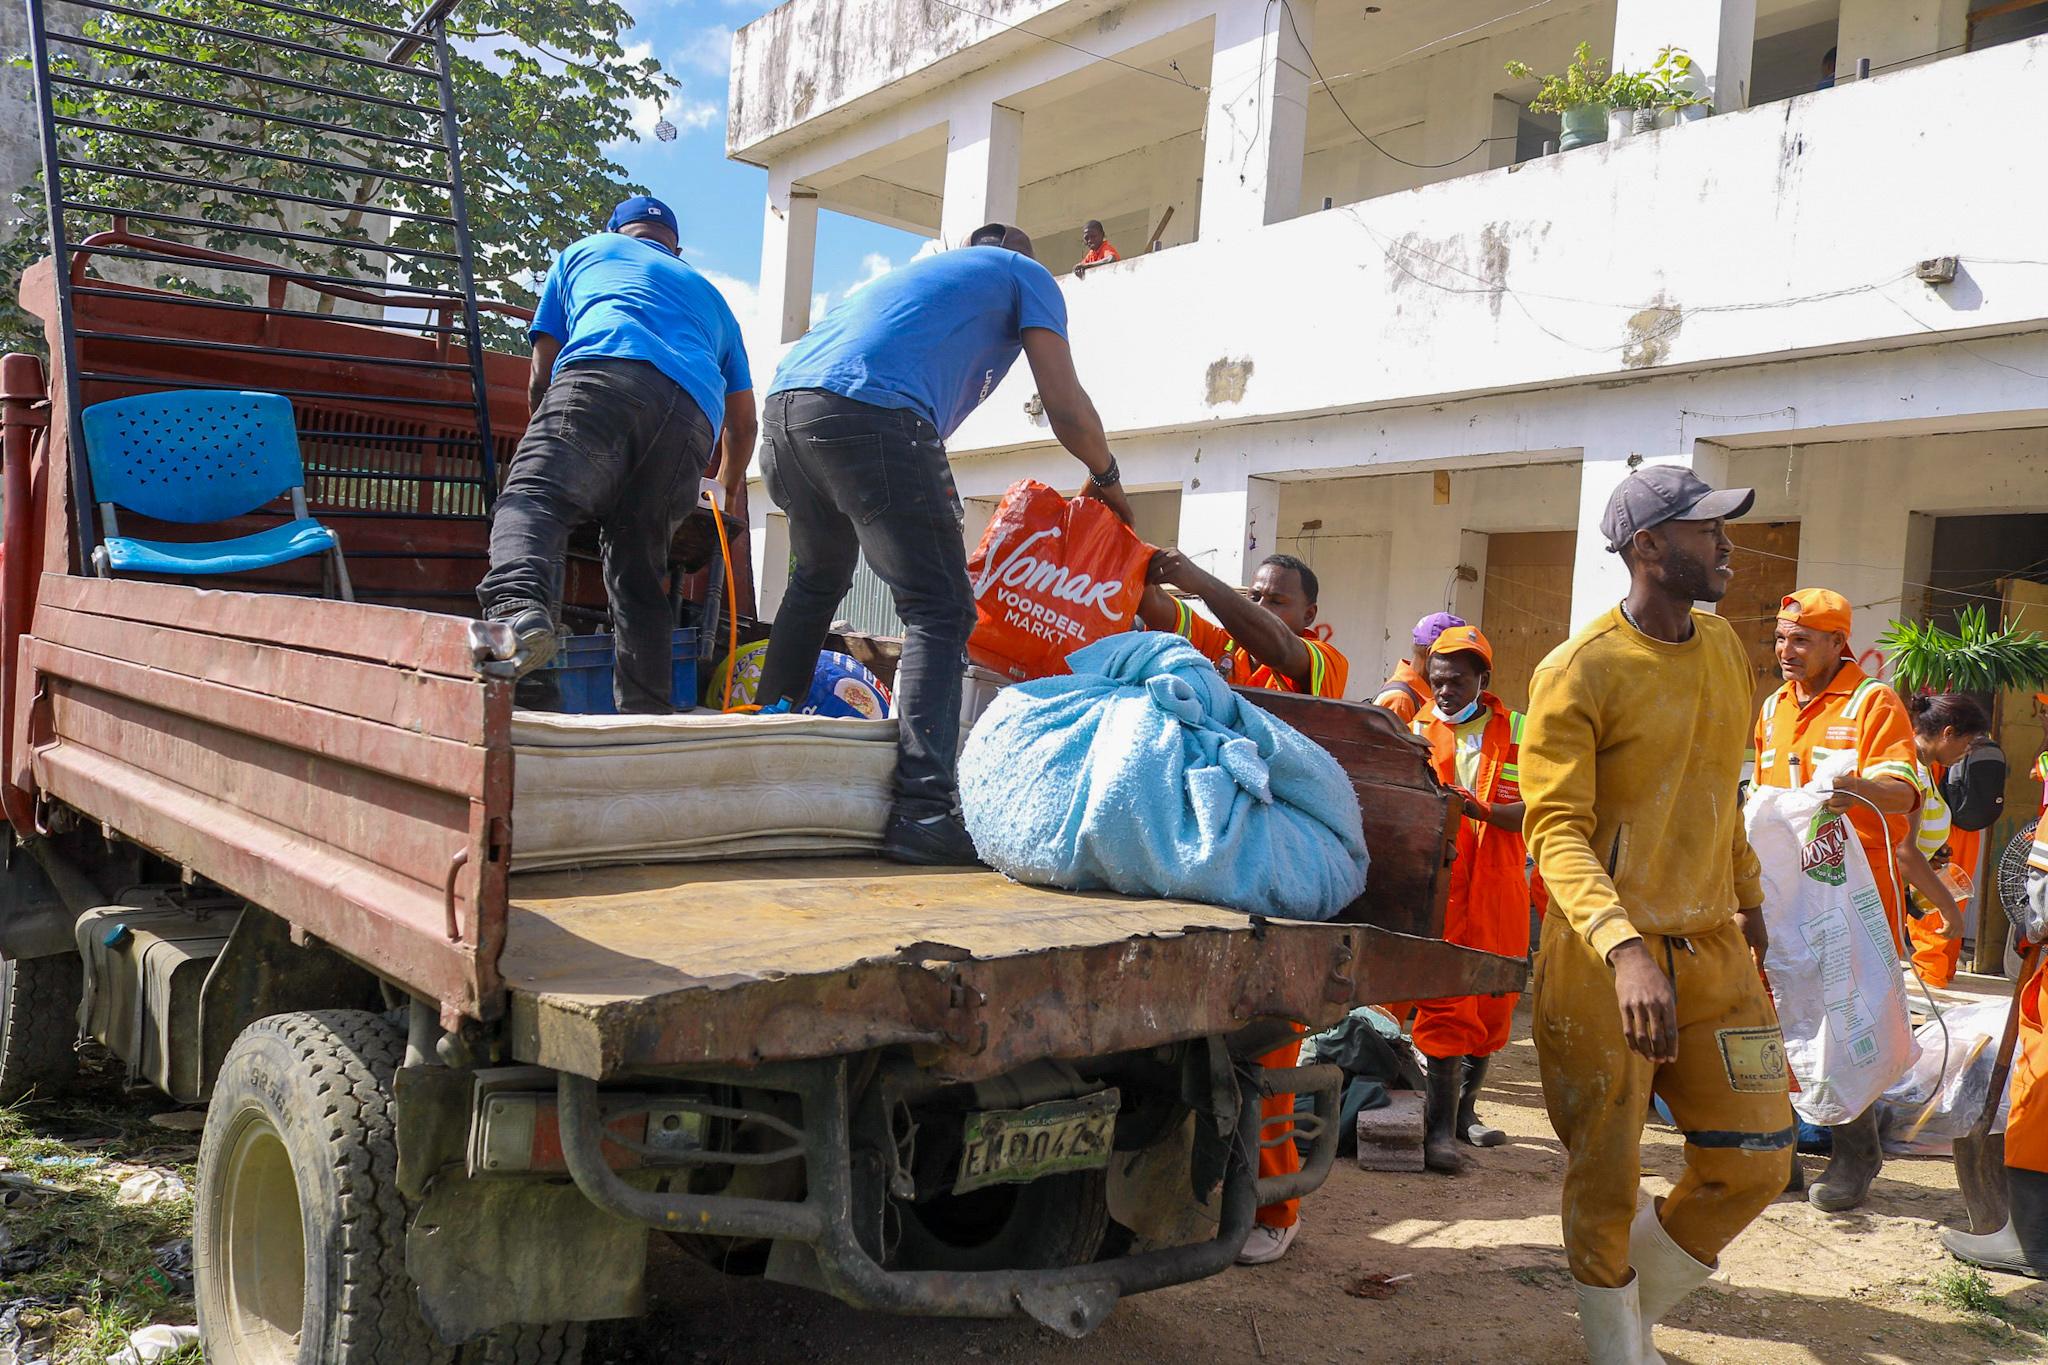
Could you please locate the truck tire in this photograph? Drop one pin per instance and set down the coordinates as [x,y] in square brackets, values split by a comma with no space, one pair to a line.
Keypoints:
[1049,1223]
[38,1025]
[299,1229]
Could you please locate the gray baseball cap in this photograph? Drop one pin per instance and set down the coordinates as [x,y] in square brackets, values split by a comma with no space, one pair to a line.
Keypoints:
[1658,493]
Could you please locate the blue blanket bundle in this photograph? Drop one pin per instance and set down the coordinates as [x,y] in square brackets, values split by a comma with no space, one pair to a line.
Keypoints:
[1142,772]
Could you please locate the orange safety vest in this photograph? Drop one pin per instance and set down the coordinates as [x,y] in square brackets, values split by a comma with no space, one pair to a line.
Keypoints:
[1406,693]
[1488,906]
[1327,667]
[1854,713]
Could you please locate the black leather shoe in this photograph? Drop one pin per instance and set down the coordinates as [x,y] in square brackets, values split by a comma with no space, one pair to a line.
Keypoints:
[934,841]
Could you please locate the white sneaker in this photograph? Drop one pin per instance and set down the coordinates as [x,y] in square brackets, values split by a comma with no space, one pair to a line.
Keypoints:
[1267,1245]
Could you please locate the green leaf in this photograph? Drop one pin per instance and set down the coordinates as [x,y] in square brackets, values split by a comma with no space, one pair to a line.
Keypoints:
[1972,658]
[535,120]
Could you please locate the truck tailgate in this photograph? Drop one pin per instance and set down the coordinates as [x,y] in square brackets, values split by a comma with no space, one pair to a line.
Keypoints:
[740,963]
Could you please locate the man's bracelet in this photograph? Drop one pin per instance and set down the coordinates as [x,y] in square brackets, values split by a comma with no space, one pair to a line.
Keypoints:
[1109,476]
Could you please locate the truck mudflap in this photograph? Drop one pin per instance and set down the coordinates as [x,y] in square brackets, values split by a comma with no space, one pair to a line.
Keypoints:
[1072,1300]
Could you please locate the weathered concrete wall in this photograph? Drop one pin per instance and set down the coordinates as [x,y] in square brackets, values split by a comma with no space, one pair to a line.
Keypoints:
[810,59]
[1739,237]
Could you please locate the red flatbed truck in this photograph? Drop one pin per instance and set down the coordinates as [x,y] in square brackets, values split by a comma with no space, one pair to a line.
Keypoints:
[259,845]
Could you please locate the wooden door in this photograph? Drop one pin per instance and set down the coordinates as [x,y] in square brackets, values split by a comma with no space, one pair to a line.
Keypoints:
[2017,724]
[1766,564]
[1527,608]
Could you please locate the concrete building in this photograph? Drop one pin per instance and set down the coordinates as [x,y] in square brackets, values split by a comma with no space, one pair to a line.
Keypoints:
[1383,330]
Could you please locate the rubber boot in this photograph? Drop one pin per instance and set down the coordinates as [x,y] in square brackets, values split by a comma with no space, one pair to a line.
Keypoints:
[1858,1158]
[2021,1246]
[1795,1183]
[1470,1129]
[1665,1274]
[1440,1115]
[1611,1320]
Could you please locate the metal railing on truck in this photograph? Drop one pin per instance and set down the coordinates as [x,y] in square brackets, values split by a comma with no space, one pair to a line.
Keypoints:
[368,110]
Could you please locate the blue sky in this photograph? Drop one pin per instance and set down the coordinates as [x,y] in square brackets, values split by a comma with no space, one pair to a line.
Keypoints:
[720,202]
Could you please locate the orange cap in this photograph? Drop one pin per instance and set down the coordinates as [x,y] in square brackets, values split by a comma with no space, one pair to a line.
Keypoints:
[1817,609]
[1463,639]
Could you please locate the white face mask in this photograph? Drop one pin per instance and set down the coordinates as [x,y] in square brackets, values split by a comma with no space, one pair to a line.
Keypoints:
[1470,710]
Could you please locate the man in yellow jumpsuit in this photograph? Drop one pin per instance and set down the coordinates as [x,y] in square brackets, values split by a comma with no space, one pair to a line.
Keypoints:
[1647,982]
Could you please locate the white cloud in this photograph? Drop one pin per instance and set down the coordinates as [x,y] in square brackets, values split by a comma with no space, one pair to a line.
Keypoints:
[691,115]
[642,113]
[873,266]
[744,298]
[708,50]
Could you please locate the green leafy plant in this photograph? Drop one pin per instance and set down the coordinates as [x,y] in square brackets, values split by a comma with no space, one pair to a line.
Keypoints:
[1671,67]
[1582,83]
[1632,90]
[544,94]
[1587,81]
[1972,658]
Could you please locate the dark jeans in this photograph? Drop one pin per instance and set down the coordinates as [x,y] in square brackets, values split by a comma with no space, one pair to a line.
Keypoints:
[860,479]
[619,443]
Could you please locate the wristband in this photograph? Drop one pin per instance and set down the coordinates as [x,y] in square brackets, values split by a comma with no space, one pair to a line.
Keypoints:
[1109,477]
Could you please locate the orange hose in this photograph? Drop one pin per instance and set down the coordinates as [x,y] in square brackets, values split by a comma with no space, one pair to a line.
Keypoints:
[732,610]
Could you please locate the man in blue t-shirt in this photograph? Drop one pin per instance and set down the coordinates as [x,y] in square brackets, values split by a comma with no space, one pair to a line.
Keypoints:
[854,452]
[637,362]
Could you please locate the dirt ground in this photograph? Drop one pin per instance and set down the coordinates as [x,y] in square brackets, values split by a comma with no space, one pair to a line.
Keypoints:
[1485,1276]
[1488,1282]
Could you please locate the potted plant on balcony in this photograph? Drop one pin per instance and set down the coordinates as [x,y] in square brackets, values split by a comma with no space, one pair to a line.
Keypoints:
[1681,91]
[1632,104]
[1578,96]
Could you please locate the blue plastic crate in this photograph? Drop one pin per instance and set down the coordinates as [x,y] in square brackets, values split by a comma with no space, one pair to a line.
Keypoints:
[582,670]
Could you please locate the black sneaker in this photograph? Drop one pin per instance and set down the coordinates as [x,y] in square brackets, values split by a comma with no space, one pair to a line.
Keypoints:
[935,841]
[534,629]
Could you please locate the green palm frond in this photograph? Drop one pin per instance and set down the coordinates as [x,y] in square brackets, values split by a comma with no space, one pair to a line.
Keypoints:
[1972,658]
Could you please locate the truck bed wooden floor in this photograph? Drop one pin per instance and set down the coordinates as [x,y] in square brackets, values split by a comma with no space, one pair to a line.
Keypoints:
[739,963]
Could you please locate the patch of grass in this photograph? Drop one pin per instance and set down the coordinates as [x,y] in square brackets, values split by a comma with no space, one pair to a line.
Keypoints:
[1967,1290]
[88,1260]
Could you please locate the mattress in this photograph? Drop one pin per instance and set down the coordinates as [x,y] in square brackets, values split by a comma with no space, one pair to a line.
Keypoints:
[592,790]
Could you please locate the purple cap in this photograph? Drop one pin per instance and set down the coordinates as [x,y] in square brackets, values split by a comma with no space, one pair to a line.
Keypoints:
[1433,625]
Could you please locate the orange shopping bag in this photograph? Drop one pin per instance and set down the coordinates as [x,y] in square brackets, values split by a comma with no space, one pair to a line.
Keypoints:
[1051,574]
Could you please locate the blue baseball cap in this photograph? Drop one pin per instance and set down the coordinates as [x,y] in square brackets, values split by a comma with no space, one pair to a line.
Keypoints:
[642,208]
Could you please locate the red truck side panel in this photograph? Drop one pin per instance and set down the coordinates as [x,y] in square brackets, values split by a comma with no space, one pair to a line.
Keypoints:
[340,764]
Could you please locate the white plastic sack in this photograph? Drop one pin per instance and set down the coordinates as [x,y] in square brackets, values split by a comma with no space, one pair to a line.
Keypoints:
[1957,1069]
[1833,969]
[151,1344]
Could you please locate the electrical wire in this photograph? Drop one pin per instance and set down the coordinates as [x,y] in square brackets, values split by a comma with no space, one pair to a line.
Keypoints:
[1324,82]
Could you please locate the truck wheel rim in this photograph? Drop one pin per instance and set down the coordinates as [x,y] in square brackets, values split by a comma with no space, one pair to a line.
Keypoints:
[266,1246]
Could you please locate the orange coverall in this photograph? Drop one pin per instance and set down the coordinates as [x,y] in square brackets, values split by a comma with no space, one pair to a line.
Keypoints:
[1328,670]
[1489,895]
[1406,693]
[2026,1128]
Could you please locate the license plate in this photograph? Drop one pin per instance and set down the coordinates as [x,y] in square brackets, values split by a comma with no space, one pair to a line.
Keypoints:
[1008,1146]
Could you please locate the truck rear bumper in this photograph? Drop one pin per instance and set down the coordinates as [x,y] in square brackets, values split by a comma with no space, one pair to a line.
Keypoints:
[1071,1299]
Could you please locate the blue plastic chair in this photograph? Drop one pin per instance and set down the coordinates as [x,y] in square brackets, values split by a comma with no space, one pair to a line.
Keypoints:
[196,457]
